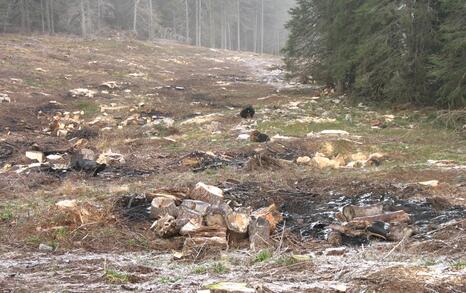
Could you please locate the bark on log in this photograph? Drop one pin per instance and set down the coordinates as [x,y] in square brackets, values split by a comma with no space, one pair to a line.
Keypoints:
[351,211]
[259,233]
[192,226]
[207,193]
[270,214]
[166,227]
[215,220]
[238,221]
[162,206]
[348,230]
[199,246]
[390,217]
[185,215]
[196,205]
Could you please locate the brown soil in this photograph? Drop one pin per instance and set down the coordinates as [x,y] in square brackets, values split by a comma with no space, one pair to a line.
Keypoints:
[171,82]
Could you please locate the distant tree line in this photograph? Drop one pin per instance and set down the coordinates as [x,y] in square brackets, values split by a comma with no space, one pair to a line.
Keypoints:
[253,25]
[389,50]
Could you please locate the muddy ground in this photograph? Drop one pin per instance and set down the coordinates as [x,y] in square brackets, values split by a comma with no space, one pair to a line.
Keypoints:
[172,115]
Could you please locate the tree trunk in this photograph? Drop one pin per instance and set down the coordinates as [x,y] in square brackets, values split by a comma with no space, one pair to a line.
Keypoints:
[211,25]
[151,20]
[52,18]
[88,17]
[23,15]
[256,29]
[83,21]
[99,14]
[197,23]
[223,27]
[135,15]
[200,22]
[47,15]
[262,26]
[7,15]
[187,21]
[239,24]
[42,18]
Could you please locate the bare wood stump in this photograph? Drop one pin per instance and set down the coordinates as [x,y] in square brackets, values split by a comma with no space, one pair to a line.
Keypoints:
[207,193]
[166,227]
[162,206]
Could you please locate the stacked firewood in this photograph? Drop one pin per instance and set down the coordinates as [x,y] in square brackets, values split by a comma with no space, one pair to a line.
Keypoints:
[208,222]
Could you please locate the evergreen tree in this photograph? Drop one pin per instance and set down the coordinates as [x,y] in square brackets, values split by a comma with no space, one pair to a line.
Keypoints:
[450,63]
[385,50]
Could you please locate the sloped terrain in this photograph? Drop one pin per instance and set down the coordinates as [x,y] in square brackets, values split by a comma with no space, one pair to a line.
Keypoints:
[166,116]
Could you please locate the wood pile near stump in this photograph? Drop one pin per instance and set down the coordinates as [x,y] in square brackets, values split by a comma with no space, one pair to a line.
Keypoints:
[208,223]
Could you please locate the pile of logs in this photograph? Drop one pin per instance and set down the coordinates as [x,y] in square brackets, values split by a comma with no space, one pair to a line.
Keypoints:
[370,221]
[208,223]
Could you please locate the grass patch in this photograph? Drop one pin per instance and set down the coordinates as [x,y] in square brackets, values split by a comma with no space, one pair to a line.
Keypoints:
[168,280]
[88,106]
[429,262]
[33,240]
[458,265]
[139,242]
[200,270]
[113,276]
[262,256]
[219,268]
[6,213]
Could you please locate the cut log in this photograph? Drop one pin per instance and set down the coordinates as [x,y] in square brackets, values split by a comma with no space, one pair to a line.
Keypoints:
[197,247]
[212,232]
[335,238]
[166,227]
[398,231]
[185,215]
[270,214]
[259,233]
[347,230]
[175,198]
[196,205]
[162,206]
[194,229]
[193,226]
[207,193]
[351,211]
[390,217]
[215,220]
[230,287]
[35,156]
[238,221]
[216,215]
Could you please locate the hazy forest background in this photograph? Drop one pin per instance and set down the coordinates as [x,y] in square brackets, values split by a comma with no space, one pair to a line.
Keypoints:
[404,51]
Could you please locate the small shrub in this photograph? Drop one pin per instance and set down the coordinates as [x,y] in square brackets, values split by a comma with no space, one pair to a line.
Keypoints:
[113,276]
[219,268]
[458,265]
[199,270]
[262,256]
[6,214]
[168,280]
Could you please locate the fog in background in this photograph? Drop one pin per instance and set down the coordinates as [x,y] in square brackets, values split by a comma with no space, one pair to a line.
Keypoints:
[251,25]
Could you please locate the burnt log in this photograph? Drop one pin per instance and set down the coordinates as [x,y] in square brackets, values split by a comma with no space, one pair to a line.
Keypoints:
[351,211]
[389,217]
